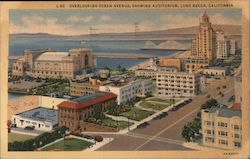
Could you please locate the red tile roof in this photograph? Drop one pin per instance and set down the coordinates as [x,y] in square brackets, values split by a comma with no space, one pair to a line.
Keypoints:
[236,106]
[87,103]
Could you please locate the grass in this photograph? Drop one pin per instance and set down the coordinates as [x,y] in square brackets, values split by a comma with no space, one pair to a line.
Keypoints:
[18,137]
[154,106]
[137,114]
[120,125]
[68,145]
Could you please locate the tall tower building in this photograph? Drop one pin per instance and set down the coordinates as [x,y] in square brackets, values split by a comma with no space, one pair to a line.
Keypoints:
[221,48]
[204,46]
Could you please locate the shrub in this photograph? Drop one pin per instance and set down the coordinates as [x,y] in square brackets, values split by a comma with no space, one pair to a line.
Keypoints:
[98,138]
[39,141]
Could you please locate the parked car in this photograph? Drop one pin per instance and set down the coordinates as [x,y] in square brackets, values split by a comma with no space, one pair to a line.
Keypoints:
[174,109]
[143,125]
[29,128]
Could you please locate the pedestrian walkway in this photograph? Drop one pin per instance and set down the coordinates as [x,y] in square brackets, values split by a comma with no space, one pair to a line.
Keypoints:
[137,105]
[120,118]
[98,145]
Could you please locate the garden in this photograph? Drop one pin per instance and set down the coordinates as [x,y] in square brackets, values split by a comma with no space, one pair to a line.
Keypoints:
[136,114]
[154,106]
[119,125]
[70,144]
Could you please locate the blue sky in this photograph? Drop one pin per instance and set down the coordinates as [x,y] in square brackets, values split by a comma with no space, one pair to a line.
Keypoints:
[74,22]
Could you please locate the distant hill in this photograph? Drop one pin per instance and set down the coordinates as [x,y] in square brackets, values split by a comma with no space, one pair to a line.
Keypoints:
[228,29]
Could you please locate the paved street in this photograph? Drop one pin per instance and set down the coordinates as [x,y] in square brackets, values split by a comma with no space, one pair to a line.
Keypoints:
[165,134]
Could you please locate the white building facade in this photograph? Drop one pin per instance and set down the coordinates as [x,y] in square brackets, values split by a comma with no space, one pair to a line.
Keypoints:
[42,119]
[178,84]
[136,88]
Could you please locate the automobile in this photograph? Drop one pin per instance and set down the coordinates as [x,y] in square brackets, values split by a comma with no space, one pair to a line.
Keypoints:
[29,128]
[163,114]
[174,109]
[143,125]
[87,136]
[158,117]
[13,125]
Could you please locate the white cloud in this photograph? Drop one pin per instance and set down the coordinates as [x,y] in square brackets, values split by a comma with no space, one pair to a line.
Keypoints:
[105,18]
[87,19]
[36,23]
[73,19]
[179,21]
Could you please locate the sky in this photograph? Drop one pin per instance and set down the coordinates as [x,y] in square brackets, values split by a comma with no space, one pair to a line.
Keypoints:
[76,22]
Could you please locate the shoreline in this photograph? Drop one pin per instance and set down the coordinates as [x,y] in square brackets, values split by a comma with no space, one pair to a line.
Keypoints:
[184,54]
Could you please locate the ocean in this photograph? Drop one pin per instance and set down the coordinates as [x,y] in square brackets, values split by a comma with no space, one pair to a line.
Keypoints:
[99,44]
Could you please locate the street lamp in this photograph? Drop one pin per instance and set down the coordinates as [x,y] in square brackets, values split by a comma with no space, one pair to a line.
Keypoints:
[128,124]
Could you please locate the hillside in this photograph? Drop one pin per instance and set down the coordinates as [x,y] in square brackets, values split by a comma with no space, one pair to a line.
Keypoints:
[228,29]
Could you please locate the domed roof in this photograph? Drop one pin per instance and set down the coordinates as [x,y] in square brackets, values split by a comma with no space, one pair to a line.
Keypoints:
[52,56]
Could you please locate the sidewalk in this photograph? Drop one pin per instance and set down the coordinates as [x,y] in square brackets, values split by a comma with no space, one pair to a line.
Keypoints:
[120,118]
[97,145]
[197,146]
[26,132]
[137,105]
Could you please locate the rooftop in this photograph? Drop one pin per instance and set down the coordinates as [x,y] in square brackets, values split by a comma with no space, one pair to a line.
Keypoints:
[224,112]
[87,101]
[214,68]
[52,56]
[85,98]
[41,114]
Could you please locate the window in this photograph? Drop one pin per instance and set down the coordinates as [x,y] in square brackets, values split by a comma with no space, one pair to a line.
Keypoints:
[236,136]
[223,142]
[221,124]
[236,127]
[210,132]
[209,123]
[222,133]
[237,144]
[209,139]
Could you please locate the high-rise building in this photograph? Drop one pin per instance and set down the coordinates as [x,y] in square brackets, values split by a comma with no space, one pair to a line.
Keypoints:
[221,49]
[204,45]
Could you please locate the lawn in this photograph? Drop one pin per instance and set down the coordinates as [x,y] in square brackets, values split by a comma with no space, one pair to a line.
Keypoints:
[167,101]
[18,137]
[154,106]
[137,114]
[120,125]
[68,145]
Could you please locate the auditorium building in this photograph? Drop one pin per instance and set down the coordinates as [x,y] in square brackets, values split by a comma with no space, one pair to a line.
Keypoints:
[53,64]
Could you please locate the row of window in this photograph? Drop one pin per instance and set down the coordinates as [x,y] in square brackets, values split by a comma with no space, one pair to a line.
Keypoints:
[222,124]
[222,142]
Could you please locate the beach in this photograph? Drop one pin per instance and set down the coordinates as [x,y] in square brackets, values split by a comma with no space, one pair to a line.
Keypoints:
[22,104]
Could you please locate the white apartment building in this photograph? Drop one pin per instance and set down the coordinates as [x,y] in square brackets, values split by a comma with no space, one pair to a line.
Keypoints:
[128,88]
[221,128]
[178,84]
